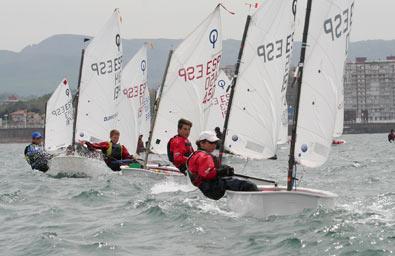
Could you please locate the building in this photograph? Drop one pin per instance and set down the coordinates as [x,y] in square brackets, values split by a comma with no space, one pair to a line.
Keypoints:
[11,99]
[24,119]
[18,119]
[369,91]
[229,70]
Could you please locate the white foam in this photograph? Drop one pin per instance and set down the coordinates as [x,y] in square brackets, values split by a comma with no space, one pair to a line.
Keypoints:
[169,186]
[208,206]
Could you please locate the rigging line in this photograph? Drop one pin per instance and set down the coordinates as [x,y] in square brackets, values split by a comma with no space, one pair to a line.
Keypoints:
[245,165]
[226,9]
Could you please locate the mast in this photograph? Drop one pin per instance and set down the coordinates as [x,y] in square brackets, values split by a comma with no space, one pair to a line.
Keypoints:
[76,98]
[45,120]
[156,107]
[291,161]
[232,91]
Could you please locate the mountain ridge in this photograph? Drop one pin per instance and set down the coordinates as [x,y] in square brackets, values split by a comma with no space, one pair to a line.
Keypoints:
[38,68]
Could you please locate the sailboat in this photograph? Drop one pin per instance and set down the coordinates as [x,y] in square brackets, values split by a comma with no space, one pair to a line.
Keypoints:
[324,47]
[59,119]
[97,99]
[187,87]
[255,107]
[134,117]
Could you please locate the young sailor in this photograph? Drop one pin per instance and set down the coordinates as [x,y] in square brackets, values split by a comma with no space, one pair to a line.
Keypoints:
[35,154]
[205,173]
[115,154]
[391,136]
[140,145]
[179,148]
[219,135]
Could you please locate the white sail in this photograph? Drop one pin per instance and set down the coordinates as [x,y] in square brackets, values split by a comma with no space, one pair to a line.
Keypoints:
[255,116]
[283,132]
[327,44]
[190,82]
[59,118]
[219,103]
[134,112]
[100,88]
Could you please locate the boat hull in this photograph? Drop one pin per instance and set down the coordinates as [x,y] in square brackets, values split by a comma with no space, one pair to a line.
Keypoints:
[154,171]
[277,201]
[77,166]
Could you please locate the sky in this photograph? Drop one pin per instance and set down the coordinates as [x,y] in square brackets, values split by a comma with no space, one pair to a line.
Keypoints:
[26,22]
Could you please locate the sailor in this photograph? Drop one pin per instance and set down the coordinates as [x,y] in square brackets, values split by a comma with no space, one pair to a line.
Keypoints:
[179,148]
[211,179]
[140,145]
[391,136]
[219,136]
[115,154]
[35,154]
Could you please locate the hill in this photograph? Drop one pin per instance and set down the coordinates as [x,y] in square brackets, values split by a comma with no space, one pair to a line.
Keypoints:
[37,69]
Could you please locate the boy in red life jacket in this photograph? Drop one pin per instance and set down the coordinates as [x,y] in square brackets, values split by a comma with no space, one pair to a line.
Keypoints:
[205,173]
[113,151]
[179,148]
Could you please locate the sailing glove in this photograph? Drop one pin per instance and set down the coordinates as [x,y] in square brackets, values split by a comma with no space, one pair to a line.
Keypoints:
[225,170]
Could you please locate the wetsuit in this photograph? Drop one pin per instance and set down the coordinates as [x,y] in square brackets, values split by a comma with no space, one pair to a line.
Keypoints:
[210,179]
[36,157]
[140,147]
[178,151]
[113,153]
[391,137]
[219,136]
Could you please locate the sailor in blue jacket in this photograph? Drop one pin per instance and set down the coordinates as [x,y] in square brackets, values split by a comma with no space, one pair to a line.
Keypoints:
[35,154]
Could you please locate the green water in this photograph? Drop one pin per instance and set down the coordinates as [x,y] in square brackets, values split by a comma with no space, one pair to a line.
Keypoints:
[123,215]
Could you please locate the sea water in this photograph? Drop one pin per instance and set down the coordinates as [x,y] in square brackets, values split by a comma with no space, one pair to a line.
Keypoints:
[123,215]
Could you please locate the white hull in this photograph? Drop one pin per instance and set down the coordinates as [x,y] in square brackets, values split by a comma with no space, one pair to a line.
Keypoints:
[77,166]
[154,171]
[277,201]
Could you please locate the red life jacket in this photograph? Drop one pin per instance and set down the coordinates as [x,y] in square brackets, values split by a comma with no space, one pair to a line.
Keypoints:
[201,166]
[184,148]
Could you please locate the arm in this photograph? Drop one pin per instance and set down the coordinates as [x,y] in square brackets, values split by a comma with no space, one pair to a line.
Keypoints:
[178,149]
[206,168]
[102,145]
[125,153]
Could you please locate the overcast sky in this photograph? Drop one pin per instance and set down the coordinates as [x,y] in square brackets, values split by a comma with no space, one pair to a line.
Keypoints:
[25,22]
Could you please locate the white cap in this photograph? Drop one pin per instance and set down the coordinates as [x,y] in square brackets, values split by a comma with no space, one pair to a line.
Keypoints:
[209,136]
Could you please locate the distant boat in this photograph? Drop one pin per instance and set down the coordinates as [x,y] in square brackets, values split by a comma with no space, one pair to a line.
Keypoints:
[59,119]
[338,142]
[134,117]
[324,49]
